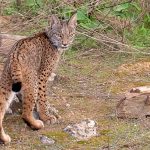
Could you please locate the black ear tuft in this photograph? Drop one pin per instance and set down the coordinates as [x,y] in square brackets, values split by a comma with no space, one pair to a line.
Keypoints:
[16,87]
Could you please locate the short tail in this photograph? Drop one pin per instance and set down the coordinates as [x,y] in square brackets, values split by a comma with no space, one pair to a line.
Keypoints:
[16,87]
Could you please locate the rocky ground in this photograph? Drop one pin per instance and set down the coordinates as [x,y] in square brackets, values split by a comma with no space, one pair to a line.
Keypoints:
[88,85]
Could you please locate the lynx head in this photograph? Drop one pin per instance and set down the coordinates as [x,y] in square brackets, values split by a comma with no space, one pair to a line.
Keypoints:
[61,33]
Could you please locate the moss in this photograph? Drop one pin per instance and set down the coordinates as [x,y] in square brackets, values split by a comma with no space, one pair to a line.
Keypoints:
[59,136]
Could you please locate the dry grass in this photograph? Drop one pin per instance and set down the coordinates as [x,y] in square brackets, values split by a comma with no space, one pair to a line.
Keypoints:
[87,97]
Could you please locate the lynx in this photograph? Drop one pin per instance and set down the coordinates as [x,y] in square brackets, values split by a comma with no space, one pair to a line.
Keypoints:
[30,63]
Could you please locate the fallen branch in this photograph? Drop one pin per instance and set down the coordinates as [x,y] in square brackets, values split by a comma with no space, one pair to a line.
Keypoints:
[105,39]
[117,4]
[12,37]
[7,41]
[142,90]
[135,92]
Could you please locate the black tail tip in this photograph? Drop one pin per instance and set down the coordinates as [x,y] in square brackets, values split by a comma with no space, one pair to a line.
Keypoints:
[16,87]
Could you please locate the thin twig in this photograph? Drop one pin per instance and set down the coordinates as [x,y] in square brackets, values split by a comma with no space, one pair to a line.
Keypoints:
[118,4]
[113,41]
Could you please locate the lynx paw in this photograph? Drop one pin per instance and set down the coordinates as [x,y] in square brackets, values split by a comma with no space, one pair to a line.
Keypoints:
[34,124]
[38,125]
[5,139]
[51,120]
[50,116]
[54,111]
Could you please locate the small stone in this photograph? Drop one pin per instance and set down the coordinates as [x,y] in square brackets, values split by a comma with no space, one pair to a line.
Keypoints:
[91,123]
[52,77]
[46,140]
[9,111]
[67,105]
[16,99]
[36,114]
[83,130]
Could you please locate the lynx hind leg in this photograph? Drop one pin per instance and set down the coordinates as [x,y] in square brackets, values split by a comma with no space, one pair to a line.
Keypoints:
[5,100]
[44,108]
[45,113]
[29,100]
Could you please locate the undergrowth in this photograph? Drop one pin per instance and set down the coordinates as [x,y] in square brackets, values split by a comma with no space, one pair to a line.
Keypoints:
[128,20]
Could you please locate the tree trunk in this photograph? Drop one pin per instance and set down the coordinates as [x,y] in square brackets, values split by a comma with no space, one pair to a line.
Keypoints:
[18,3]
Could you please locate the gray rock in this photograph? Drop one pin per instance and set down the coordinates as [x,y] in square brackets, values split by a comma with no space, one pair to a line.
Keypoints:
[135,107]
[15,107]
[46,140]
[36,114]
[83,130]
[9,111]
[52,77]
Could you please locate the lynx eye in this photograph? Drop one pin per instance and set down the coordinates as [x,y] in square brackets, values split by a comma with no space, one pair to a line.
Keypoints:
[71,34]
[57,36]
[61,35]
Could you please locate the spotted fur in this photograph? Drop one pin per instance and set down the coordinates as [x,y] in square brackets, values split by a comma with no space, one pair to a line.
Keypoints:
[28,67]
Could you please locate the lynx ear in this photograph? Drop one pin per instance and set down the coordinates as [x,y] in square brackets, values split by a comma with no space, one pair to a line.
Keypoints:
[54,21]
[73,21]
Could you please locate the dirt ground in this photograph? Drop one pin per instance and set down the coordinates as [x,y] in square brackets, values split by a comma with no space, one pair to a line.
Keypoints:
[87,86]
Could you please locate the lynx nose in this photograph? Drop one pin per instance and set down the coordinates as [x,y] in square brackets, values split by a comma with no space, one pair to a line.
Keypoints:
[64,45]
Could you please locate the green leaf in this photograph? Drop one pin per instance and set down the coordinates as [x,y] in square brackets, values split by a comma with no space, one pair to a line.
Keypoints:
[9,10]
[121,7]
[81,14]
[136,6]
[30,2]
[40,2]
[89,25]
[34,3]
[147,17]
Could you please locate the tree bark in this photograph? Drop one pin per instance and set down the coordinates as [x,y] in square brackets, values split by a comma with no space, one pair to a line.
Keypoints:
[18,3]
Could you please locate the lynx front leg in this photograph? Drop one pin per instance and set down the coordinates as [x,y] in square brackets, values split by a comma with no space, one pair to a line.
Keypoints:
[43,105]
[6,97]
[29,99]
[3,106]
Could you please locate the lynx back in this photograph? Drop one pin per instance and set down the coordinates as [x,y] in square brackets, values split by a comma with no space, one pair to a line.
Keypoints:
[30,63]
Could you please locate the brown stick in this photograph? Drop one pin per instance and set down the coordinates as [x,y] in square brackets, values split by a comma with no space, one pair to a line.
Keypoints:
[7,41]
[137,91]
[12,37]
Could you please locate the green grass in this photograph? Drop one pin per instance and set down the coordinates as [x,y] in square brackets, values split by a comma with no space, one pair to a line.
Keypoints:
[137,36]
